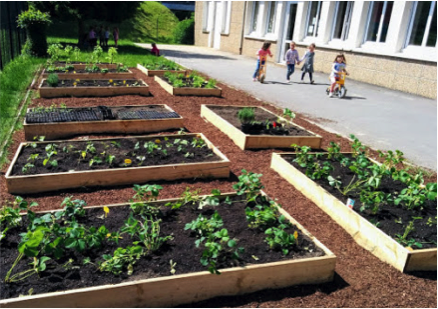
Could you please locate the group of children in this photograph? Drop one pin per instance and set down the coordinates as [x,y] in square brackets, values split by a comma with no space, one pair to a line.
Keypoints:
[292,58]
[103,34]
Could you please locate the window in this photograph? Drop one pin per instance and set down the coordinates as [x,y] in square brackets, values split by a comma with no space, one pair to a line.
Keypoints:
[271,17]
[378,21]
[422,28]
[341,26]
[255,15]
[313,15]
[226,17]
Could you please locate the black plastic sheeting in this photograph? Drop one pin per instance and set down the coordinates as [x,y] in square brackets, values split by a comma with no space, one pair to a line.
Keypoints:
[94,114]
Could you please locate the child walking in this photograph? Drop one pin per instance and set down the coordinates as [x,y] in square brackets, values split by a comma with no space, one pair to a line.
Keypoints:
[308,64]
[116,35]
[291,58]
[262,53]
[155,50]
[338,66]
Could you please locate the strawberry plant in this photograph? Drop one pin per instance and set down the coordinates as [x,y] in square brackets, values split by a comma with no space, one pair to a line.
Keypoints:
[249,184]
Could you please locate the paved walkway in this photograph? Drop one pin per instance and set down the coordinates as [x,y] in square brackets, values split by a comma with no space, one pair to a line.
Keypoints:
[381,118]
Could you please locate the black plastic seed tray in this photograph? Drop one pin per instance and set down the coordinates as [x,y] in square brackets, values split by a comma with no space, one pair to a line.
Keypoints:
[126,115]
[62,116]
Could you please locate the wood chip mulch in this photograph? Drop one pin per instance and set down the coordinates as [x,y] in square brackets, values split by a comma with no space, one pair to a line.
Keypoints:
[361,279]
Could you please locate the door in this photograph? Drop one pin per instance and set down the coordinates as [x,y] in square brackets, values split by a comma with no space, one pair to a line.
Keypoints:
[291,12]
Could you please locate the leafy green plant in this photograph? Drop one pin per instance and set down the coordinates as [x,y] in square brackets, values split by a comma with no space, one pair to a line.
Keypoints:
[112,52]
[246,115]
[53,80]
[211,84]
[54,51]
[261,216]
[403,239]
[121,258]
[334,151]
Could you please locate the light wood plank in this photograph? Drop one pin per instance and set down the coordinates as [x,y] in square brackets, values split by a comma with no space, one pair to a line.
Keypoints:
[158,72]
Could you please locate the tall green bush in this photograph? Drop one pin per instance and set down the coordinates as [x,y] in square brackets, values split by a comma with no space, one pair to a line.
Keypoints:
[35,22]
[184,32]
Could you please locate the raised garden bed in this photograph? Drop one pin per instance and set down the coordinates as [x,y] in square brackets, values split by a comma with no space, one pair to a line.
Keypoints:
[186,91]
[174,271]
[157,72]
[83,74]
[53,123]
[49,166]
[225,118]
[82,65]
[374,224]
[93,88]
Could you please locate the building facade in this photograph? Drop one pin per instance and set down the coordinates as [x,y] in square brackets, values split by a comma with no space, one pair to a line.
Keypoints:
[386,43]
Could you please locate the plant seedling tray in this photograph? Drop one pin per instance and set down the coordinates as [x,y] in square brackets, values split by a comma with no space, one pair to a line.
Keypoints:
[24,184]
[215,92]
[158,72]
[363,232]
[83,65]
[109,75]
[170,291]
[53,92]
[141,119]
[247,141]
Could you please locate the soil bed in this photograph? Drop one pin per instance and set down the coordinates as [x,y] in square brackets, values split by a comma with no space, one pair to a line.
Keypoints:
[181,249]
[229,113]
[71,83]
[70,155]
[83,71]
[99,113]
[392,219]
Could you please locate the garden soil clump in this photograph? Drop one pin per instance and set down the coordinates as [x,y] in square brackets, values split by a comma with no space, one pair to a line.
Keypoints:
[63,275]
[230,115]
[361,280]
[70,155]
[390,218]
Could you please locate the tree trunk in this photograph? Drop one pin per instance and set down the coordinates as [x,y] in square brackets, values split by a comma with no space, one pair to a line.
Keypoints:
[81,32]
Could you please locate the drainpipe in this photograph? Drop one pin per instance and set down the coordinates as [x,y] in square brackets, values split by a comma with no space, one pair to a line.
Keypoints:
[243,28]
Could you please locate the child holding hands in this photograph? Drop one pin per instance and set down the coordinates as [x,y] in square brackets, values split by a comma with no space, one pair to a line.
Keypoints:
[308,64]
[291,58]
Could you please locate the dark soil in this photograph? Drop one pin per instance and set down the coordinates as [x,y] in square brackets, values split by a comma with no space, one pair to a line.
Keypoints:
[99,113]
[181,250]
[70,155]
[391,219]
[81,71]
[96,83]
[230,115]
[361,279]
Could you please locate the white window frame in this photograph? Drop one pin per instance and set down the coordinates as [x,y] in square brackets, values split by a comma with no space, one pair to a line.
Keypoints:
[347,22]
[382,18]
[254,17]
[318,13]
[226,17]
[274,17]
[428,24]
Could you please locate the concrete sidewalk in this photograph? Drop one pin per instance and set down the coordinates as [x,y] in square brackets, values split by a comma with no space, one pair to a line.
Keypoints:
[381,118]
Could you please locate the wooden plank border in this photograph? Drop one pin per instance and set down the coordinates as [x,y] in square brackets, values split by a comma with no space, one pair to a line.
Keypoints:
[175,290]
[246,141]
[363,232]
[54,130]
[88,76]
[117,176]
[53,92]
[158,72]
[216,92]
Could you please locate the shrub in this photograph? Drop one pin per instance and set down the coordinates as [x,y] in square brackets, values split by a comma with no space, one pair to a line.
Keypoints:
[35,22]
[246,115]
[184,32]
[52,80]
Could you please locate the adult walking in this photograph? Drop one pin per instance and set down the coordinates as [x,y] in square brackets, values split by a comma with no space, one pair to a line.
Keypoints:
[291,58]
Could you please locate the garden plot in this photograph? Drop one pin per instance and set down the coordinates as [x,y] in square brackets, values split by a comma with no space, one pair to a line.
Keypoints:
[152,70]
[188,85]
[91,88]
[261,129]
[62,122]
[48,166]
[86,74]
[82,65]
[158,253]
[394,213]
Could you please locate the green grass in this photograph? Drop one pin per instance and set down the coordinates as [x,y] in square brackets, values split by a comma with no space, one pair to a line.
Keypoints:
[14,80]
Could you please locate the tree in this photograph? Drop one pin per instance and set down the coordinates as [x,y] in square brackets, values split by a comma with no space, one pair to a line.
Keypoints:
[114,11]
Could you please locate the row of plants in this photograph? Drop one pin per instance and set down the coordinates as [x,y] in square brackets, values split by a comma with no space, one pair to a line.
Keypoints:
[192,80]
[161,63]
[54,81]
[249,125]
[75,238]
[76,156]
[390,195]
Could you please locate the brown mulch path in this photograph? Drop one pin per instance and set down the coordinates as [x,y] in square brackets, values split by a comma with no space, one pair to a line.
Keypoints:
[361,279]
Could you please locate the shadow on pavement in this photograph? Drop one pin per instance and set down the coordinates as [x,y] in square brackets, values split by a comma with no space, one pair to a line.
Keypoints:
[192,55]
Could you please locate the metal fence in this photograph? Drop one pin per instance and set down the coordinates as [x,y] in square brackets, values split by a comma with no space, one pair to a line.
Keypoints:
[12,38]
